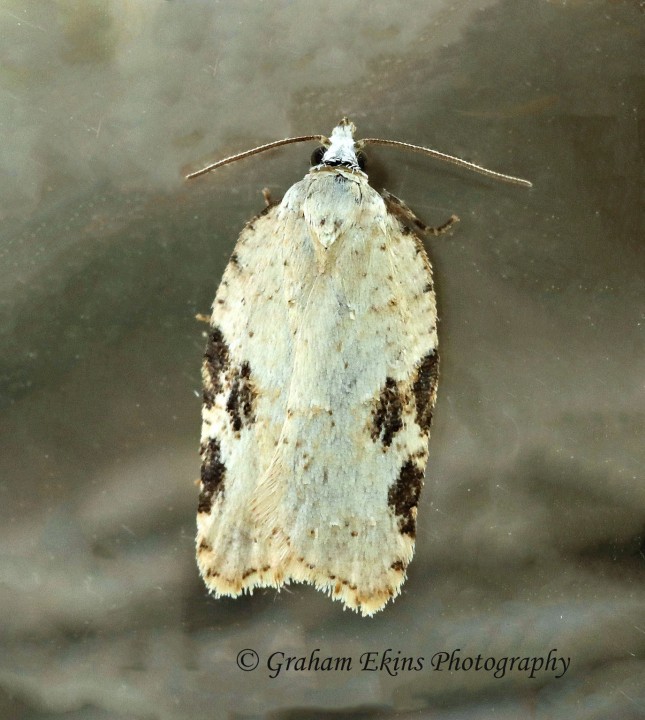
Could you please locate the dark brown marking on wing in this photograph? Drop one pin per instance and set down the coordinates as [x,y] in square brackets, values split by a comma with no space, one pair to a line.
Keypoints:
[216,363]
[425,389]
[241,400]
[208,398]
[387,417]
[403,496]
[213,472]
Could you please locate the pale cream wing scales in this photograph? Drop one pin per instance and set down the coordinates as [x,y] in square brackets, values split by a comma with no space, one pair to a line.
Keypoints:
[247,372]
[339,499]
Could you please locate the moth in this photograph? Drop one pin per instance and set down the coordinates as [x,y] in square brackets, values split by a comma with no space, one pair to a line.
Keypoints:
[319,381]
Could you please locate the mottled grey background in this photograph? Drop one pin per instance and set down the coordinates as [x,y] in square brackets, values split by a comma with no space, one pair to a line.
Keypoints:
[531,522]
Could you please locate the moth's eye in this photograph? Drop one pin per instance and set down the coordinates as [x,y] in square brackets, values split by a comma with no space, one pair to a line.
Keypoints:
[362,159]
[317,155]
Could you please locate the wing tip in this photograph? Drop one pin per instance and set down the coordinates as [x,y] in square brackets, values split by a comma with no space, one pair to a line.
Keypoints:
[364,601]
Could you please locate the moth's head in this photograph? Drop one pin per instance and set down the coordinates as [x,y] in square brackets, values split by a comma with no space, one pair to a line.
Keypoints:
[340,149]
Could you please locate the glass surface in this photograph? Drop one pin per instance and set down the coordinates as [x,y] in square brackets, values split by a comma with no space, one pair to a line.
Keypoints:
[530,535]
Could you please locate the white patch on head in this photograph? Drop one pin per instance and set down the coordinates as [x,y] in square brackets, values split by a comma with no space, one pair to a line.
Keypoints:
[341,148]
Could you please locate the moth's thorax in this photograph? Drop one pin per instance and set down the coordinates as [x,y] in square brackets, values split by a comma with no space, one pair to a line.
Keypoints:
[333,204]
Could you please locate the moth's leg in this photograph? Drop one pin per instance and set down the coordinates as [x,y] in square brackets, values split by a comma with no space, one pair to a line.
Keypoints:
[410,220]
[269,203]
[268,200]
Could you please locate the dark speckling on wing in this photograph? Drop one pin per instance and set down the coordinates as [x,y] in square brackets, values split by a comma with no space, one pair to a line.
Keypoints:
[387,416]
[241,399]
[404,496]
[216,362]
[212,477]
[425,389]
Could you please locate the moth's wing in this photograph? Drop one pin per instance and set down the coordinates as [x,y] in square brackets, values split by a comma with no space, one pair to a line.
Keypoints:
[246,373]
[340,496]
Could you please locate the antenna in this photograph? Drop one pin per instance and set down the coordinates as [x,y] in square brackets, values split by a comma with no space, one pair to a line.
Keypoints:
[448,158]
[261,148]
